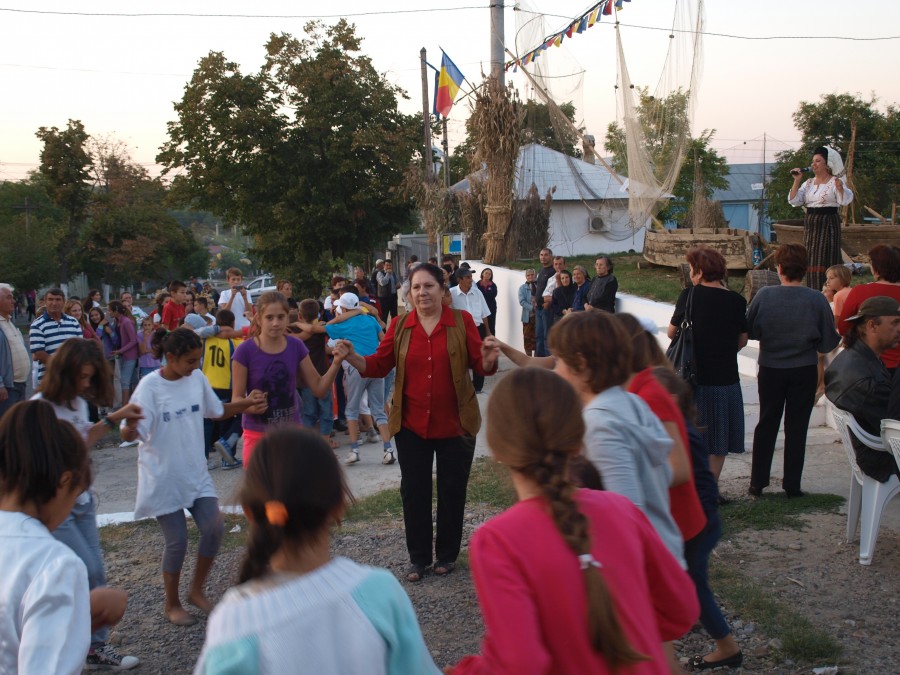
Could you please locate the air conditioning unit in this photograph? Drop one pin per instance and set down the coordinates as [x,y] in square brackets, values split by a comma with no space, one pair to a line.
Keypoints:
[596,223]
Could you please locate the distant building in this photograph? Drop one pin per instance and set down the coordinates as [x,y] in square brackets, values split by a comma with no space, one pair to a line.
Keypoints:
[741,200]
[589,212]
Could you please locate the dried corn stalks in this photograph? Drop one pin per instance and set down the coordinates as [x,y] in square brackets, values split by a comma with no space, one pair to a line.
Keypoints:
[496,125]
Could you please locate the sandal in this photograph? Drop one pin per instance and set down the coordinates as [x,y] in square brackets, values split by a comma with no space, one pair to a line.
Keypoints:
[442,569]
[416,573]
[733,661]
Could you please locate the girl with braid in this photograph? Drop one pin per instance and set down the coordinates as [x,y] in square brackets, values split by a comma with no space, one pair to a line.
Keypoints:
[298,610]
[569,580]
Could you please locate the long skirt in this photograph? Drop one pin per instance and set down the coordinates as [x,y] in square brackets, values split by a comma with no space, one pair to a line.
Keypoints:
[529,335]
[822,238]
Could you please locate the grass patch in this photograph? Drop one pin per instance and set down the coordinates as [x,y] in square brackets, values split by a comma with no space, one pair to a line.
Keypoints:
[800,639]
[774,512]
[489,484]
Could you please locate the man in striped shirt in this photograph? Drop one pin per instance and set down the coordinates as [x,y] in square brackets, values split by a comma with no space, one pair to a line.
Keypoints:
[51,329]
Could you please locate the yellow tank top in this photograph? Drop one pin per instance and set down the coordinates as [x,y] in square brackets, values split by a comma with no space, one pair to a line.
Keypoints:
[217,361]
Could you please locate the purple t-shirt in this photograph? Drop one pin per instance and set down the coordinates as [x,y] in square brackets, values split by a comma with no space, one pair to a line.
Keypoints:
[276,375]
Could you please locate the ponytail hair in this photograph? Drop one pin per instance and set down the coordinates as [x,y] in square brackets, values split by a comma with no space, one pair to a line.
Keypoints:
[293,489]
[177,343]
[546,434]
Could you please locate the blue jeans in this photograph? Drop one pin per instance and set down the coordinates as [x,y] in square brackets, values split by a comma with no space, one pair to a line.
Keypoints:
[15,393]
[356,385]
[79,532]
[542,319]
[317,410]
[696,554]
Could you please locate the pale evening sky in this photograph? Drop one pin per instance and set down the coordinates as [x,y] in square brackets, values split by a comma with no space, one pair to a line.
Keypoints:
[120,75]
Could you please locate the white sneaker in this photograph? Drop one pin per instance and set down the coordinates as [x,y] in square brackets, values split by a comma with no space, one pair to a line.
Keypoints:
[107,658]
[352,457]
[388,457]
[373,436]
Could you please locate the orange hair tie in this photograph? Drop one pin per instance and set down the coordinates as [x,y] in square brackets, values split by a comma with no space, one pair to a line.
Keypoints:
[276,513]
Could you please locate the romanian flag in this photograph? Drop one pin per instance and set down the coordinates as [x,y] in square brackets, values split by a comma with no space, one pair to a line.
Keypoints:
[448,83]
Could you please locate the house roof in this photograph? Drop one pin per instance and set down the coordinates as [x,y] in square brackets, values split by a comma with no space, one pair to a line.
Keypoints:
[574,179]
[744,183]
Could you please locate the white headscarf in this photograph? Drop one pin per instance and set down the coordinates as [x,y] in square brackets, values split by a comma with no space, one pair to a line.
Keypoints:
[835,164]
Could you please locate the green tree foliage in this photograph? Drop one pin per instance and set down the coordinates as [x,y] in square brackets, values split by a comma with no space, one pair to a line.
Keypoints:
[27,241]
[663,120]
[307,155]
[65,166]
[876,171]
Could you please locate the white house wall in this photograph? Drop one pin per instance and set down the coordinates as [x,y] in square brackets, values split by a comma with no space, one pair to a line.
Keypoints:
[570,233]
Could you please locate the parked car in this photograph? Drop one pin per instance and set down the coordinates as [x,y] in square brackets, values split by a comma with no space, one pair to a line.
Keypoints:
[259,286]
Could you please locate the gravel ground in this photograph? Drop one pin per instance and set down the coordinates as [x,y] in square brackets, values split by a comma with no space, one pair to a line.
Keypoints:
[812,570]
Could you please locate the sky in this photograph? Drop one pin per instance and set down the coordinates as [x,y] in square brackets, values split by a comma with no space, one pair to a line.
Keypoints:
[120,75]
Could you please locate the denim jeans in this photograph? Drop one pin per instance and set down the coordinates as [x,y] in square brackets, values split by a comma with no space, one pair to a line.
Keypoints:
[541,327]
[696,554]
[317,410]
[79,532]
[15,393]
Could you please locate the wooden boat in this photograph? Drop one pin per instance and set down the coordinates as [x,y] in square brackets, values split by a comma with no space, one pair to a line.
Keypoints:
[668,247]
[855,239]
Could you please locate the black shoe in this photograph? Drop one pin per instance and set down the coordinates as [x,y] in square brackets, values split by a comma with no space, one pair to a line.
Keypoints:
[698,662]
[340,425]
[754,491]
[794,493]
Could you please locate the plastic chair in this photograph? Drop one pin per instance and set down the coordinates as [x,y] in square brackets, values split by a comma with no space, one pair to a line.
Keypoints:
[868,497]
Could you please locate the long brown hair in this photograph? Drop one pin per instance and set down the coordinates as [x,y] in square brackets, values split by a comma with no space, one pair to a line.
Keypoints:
[596,343]
[296,468]
[538,437]
[646,351]
[59,384]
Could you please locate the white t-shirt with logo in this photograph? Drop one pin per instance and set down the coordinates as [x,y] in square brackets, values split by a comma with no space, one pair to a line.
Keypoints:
[172,468]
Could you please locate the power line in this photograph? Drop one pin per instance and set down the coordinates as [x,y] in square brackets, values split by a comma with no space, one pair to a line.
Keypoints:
[193,15]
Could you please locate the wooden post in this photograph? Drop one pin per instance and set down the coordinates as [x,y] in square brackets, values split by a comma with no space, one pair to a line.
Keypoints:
[426,121]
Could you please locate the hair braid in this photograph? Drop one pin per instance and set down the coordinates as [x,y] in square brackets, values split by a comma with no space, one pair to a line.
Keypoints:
[606,632]
[265,540]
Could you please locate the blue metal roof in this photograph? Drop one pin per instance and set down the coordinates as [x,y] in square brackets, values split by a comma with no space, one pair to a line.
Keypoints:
[744,183]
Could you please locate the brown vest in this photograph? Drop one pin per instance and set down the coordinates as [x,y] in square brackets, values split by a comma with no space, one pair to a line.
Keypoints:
[466,399]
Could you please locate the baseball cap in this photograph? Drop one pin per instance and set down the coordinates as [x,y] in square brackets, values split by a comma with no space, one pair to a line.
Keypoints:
[348,301]
[880,305]
[379,261]
[463,272]
[194,321]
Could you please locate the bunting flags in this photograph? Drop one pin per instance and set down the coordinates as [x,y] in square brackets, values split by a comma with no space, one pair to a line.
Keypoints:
[576,27]
[447,85]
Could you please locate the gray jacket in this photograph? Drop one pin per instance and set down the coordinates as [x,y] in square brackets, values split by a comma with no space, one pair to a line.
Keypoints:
[6,362]
[630,448]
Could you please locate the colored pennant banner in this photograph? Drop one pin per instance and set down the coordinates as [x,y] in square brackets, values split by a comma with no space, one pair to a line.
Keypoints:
[576,27]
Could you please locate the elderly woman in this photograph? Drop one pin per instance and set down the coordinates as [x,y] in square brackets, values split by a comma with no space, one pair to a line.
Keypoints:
[526,302]
[792,323]
[720,332]
[886,269]
[582,283]
[435,413]
[821,195]
[602,294]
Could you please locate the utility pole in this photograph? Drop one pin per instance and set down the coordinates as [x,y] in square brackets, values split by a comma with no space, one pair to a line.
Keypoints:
[762,193]
[446,146]
[426,121]
[497,42]
[27,207]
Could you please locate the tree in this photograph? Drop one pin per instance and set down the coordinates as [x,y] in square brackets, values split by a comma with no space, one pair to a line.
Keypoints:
[663,122]
[28,240]
[65,165]
[876,171]
[307,155]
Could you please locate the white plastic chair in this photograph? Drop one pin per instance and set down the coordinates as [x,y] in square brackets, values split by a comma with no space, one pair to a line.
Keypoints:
[868,497]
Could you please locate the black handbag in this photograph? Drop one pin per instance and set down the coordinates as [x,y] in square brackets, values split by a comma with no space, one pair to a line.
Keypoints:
[681,349]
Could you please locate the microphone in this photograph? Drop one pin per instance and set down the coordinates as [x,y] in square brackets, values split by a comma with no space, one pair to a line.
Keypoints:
[797,172]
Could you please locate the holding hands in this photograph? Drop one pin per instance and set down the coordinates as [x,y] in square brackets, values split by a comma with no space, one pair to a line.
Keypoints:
[131,414]
[257,401]
[490,352]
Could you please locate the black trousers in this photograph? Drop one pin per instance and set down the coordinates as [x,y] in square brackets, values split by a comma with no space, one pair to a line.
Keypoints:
[388,306]
[454,461]
[793,391]
[478,380]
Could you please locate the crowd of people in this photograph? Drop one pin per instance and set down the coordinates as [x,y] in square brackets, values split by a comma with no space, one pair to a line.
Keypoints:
[600,565]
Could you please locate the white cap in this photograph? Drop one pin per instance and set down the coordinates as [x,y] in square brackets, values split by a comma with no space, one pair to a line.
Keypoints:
[348,301]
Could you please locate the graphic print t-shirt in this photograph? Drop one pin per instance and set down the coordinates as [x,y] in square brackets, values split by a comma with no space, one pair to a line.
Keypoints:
[276,375]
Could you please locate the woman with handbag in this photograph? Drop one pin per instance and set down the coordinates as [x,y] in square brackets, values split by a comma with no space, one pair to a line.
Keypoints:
[719,331]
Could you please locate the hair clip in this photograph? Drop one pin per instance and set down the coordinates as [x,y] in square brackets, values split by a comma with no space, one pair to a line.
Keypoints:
[587,560]
[276,513]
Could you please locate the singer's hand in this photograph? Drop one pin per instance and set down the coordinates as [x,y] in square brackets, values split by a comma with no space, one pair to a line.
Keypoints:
[796,172]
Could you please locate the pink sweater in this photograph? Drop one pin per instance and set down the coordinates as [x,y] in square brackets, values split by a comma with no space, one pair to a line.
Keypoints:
[532,594]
